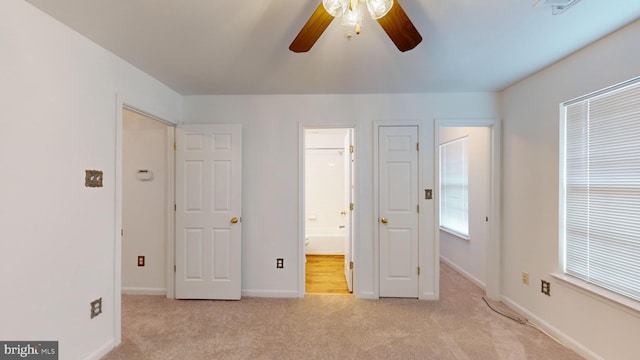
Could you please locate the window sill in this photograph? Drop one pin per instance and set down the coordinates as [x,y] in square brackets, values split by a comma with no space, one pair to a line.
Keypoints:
[456,234]
[618,301]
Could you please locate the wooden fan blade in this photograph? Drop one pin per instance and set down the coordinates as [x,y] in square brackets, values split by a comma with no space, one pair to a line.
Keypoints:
[400,28]
[311,31]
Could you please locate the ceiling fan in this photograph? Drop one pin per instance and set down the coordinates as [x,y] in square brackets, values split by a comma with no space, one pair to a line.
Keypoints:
[388,13]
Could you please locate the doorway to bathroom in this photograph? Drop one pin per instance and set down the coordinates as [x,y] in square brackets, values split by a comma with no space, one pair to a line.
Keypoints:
[329,160]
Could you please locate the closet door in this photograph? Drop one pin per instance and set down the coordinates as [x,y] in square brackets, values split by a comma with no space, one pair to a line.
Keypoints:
[398,210]
[208,211]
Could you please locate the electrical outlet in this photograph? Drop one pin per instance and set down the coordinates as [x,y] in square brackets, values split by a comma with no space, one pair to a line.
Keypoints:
[140,260]
[279,263]
[525,278]
[545,287]
[96,307]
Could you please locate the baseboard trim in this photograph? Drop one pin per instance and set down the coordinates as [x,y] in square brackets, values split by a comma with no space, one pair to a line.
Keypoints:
[429,296]
[462,272]
[143,291]
[366,295]
[270,293]
[566,340]
[102,350]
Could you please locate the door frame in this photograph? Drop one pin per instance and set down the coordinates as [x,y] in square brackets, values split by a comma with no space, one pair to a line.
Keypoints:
[427,285]
[493,285]
[302,126]
[121,104]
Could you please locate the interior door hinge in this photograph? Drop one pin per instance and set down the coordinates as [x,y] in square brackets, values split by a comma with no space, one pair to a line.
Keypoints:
[175,146]
[174,268]
[121,232]
[175,207]
[486,219]
[351,149]
[418,270]
[418,208]
[417,146]
[351,206]
[351,265]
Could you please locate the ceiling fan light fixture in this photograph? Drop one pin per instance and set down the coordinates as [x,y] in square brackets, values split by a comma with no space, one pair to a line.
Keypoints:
[379,8]
[388,14]
[353,16]
[335,7]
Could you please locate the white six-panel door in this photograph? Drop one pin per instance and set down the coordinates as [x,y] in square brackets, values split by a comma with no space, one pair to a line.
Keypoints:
[208,212]
[398,210]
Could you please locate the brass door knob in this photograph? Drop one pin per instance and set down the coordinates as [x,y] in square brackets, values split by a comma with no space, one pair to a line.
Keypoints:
[234,220]
[384,220]
[343,212]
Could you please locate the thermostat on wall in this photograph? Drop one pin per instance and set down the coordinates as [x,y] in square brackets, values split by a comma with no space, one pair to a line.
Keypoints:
[144,175]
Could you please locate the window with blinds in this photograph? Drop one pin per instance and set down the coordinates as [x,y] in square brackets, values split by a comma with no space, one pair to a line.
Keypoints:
[600,189]
[454,187]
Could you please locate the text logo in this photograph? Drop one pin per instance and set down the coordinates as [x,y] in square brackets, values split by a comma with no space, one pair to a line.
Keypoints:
[12,350]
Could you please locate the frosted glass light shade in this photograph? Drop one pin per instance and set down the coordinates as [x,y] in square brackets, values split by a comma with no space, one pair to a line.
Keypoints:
[379,8]
[335,7]
[353,17]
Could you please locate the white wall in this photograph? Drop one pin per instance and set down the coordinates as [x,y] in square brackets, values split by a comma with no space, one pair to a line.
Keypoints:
[144,205]
[325,192]
[469,256]
[57,118]
[530,197]
[271,170]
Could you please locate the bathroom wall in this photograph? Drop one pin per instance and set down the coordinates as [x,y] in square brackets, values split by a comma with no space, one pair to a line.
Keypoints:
[325,191]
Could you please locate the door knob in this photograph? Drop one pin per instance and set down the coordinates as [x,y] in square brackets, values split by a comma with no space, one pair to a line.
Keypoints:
[234,220]
[343,212]
[384,220]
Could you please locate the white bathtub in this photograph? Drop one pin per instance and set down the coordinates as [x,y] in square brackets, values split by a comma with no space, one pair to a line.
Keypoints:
[325,242]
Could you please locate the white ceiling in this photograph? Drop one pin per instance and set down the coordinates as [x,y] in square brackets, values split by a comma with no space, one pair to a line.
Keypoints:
[241,47]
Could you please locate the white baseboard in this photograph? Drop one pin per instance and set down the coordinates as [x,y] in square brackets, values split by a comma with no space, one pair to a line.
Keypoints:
[566,340]
[366,295]
[429,296]
[143,291]
[270,293]
[102,350]
[462,272]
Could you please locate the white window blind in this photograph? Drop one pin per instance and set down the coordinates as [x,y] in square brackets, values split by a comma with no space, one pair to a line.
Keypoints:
[454,186]
[601,190]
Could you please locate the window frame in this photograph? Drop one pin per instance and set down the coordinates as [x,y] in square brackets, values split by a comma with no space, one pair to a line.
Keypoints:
[623,302]
[455,232]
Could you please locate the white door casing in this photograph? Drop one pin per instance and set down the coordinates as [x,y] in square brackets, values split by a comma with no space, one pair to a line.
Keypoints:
[348,199]
[398,211]
[208,212]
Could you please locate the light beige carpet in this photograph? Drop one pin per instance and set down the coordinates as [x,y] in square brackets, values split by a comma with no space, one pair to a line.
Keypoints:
[460,326]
